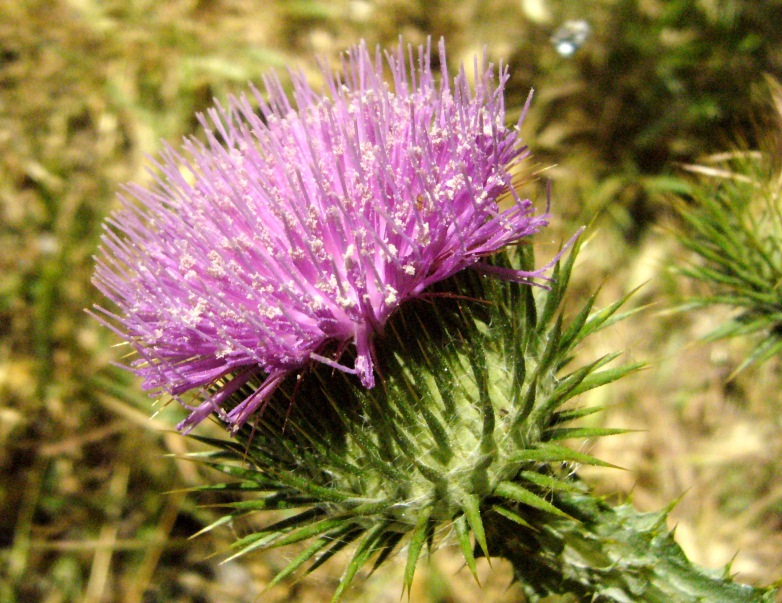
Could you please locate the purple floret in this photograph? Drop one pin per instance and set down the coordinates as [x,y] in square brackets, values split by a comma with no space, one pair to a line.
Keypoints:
[297,229]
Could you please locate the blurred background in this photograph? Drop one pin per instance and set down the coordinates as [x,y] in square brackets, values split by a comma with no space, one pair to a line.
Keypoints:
[93,505]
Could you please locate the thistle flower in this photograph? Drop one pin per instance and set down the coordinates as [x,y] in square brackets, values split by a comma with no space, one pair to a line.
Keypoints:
[462,443]
[293,233]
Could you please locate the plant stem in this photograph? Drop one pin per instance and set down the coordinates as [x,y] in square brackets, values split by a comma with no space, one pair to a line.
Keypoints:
[607,554]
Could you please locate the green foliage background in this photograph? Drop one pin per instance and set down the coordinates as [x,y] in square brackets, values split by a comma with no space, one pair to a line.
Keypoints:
[88,88]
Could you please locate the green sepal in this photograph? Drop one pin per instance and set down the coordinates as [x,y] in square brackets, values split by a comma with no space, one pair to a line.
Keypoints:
[366,547]
[348,537]
[553,453]
[472,512]
[463,535]
[215,524]
[567,433]
[547,482]
[514,517]
[316,547]
[514,492]
[390,542]
[418,536]
[288,531]
[598,379]
[573,414]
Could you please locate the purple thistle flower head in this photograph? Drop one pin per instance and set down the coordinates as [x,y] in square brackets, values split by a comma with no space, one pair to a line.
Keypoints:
[298,228]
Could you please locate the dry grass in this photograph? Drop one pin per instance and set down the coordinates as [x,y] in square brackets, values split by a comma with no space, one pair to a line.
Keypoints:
[88,88]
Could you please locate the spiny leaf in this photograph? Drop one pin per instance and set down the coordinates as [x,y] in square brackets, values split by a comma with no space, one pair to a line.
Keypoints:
[766,350]
[514,517]
[366,547]
[390,541]
[554,296]
[463,534]
[338,544]
[472,512]
[371,455]
[435,426]
[275,536]
[215,524]
[264,481]
[552,348]
[566,433]
[417,539]
[251,543]
[605,317]
[528,403]
[735,327]
[431,474]
[548,482]
[275,502]
[568,416]
[554,453]
[514,492]
[325,493]
[601,378]
[308,532]
[307,554]
[567,385]
[573,331]
[312,515]
[245,486]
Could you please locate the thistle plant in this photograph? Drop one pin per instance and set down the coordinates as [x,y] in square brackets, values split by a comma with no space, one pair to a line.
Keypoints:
[473,438]
[303,274]
[733,226]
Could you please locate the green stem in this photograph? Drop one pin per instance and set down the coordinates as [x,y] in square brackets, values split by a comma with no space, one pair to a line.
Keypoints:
[607,554]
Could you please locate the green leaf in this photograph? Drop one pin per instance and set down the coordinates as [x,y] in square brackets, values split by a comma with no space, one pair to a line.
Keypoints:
[472,511]
[601,378]
[367,546]
[417,539]
[215,524]
[307,554]
[338,544]
[766,350]
[514,517]
[514,492]
[463,535]
[305,533]
[548,482]
[568,416]
[566,387]
[552,349]
[572,334]
[554,453]
[554,296]
[285,532]
[390,541]
[608,316]
[566,433]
